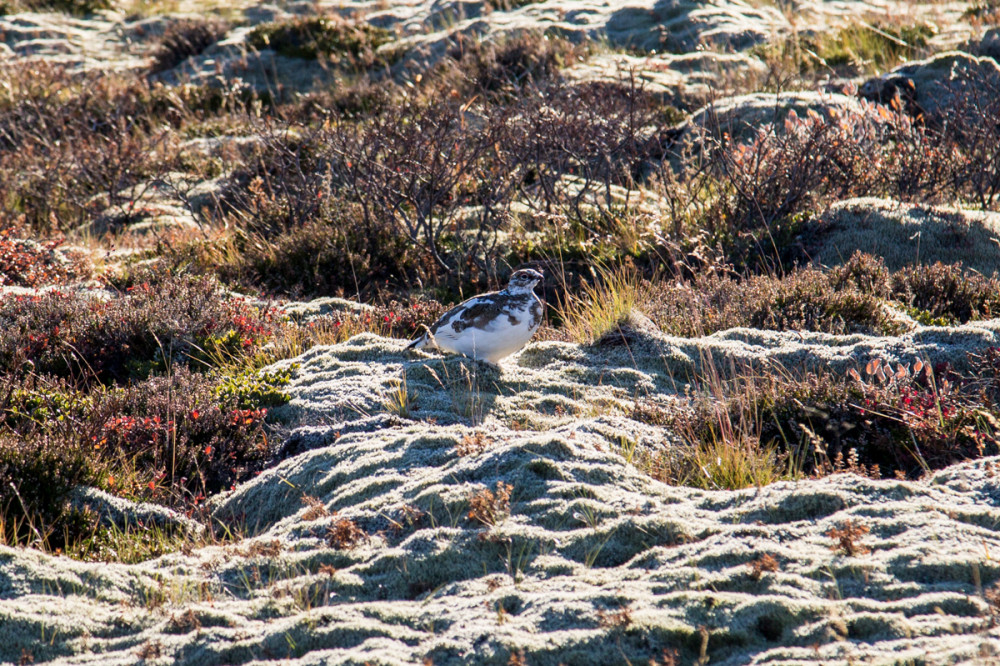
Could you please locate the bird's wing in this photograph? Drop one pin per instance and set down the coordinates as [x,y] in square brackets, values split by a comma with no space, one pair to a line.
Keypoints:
[468,312]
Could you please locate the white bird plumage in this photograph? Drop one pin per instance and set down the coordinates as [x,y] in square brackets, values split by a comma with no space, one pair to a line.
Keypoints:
[490,326]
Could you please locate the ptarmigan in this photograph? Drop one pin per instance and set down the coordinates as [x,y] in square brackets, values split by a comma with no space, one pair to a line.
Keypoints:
[490,326]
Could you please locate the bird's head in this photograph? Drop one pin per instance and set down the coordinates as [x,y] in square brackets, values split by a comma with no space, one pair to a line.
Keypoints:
[524,280]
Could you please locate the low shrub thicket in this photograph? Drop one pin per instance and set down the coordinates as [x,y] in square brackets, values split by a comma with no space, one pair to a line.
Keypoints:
[185,39]
[506,66]
[28,263]
[150,326]
[882,420]
[344,44]
[855,297]
[445,177]
[72,145]
[173,439]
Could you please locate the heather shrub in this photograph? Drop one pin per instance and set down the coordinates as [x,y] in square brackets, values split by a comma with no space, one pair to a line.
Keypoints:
[36,478]
[851,298]
[179,438]
[185,39]
[805,299]
[148,327]
[912,418]
[406,319]
[947,291]
[344,44]
[862,271]
[522,61]
[66,138]
[941,292]
[393,319]
[29,263]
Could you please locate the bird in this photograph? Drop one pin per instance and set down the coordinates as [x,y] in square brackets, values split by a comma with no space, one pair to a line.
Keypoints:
[490,326]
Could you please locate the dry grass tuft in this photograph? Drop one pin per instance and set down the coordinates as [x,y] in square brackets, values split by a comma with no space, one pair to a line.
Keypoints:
[185,623]
[763,564]
[315,508]
[601,307]
[474,444]
[619,619]
[270,548]
[488,507]
[150,650]
[846,538]
[345,534]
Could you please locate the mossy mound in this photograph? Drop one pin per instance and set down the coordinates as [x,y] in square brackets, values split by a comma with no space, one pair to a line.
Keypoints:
[374,547]
[908,234]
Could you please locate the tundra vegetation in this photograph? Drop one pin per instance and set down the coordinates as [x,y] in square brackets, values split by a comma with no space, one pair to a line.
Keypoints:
[409,192]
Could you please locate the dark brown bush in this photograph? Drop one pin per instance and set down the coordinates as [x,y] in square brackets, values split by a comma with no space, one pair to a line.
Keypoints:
[29,263]
[357,100]
[338,255]
[74,7]
[343,43]
[525,60]
[183,441]
[947,291]
[805,300]
[149,326]
[864,272]
[345,534]
[184,39]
